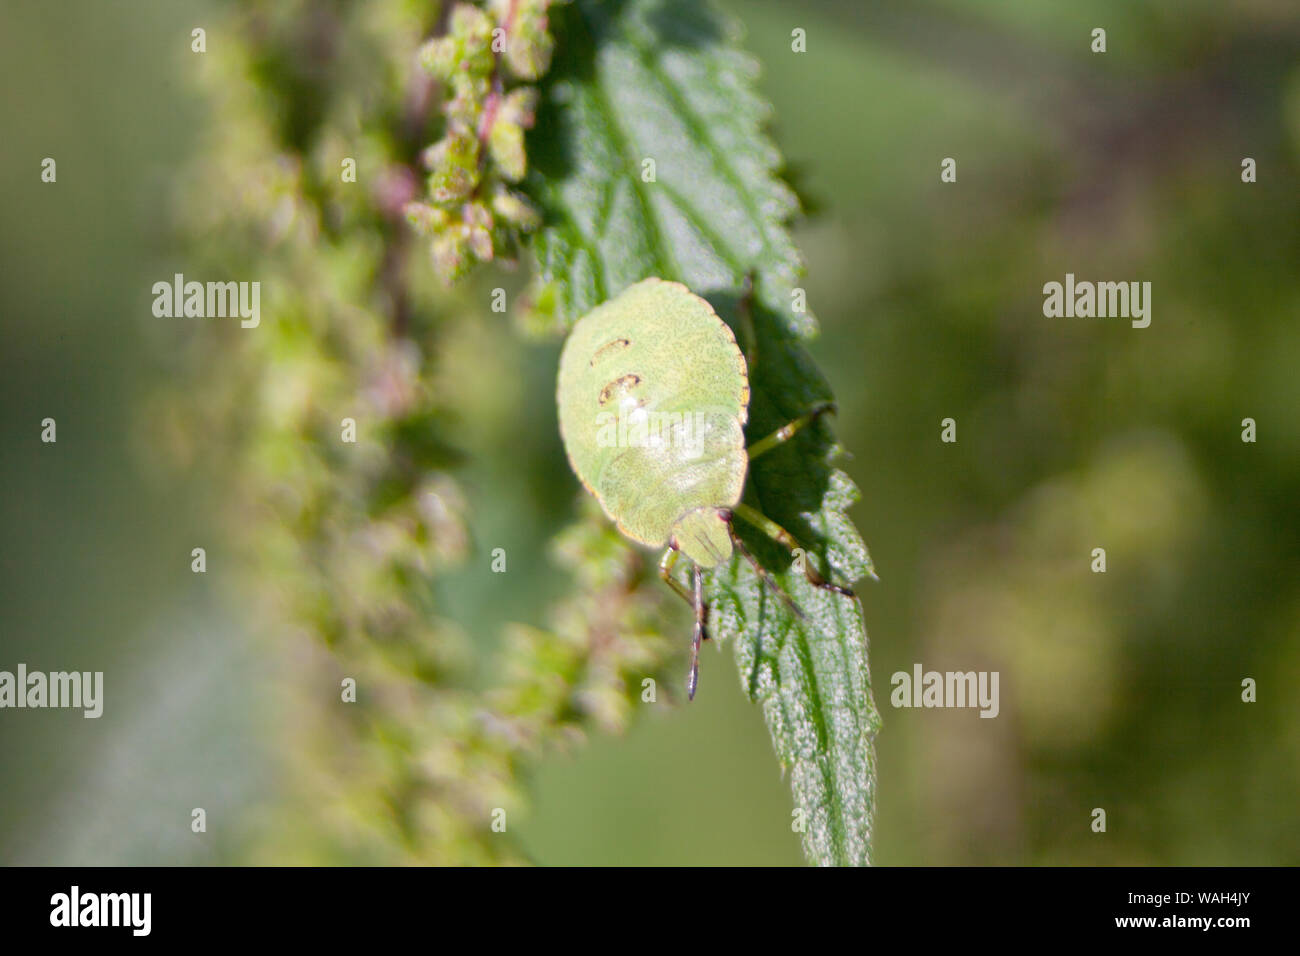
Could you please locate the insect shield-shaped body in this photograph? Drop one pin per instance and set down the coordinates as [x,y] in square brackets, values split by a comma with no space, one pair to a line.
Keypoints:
[653,397]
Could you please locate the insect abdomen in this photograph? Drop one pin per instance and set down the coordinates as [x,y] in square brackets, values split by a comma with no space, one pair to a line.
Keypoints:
[653,395]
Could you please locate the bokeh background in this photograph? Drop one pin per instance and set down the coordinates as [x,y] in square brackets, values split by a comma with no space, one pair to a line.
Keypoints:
[1119,690]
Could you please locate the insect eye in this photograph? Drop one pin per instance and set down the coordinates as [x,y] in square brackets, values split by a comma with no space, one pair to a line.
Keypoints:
[620,386]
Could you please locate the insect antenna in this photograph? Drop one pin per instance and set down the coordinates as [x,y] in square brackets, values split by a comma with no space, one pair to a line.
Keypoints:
[764,575]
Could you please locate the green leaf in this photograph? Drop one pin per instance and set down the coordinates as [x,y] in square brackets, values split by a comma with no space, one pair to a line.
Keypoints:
[663,80]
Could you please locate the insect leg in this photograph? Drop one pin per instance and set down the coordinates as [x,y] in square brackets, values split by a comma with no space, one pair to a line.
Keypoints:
[697,635]
[764,575]
[778,534]
[666,565]
[788,430]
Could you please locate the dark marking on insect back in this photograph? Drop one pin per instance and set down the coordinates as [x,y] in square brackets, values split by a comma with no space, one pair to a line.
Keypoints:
[619,386]
[608,348]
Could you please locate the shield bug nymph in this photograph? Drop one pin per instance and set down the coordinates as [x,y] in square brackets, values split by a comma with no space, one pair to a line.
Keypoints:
[653,398]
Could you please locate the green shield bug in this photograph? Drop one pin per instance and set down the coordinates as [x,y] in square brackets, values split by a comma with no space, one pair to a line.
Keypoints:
[653,398]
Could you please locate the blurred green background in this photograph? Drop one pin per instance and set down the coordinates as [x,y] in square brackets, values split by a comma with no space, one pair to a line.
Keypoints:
[1120,691]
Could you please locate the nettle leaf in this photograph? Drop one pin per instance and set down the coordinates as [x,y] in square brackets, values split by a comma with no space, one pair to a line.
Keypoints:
[649,158]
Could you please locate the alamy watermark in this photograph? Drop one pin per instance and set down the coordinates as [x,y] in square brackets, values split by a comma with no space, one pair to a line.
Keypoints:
[923,688]
[78,690]
[211,300]
[129,910]
[641,428]
[1085,300]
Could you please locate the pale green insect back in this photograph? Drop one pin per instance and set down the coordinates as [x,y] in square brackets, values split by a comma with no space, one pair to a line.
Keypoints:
[653,397]
[657,362]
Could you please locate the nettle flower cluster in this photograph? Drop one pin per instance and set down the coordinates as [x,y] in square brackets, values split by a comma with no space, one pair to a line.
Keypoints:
[471,212]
